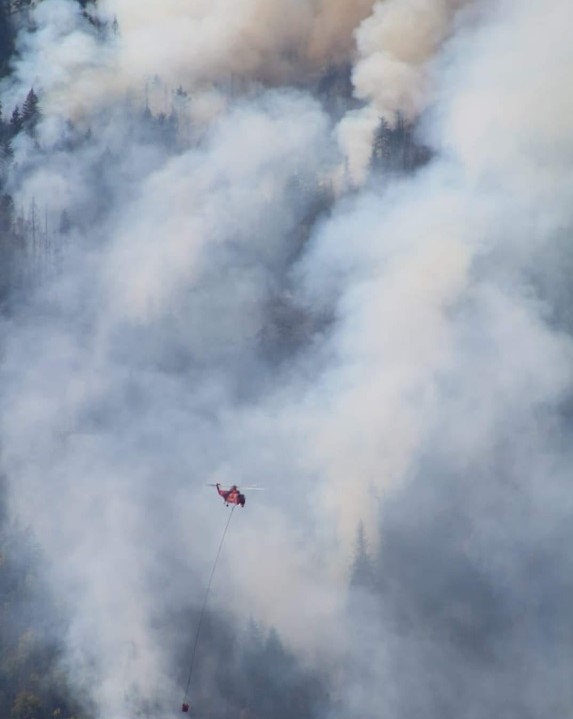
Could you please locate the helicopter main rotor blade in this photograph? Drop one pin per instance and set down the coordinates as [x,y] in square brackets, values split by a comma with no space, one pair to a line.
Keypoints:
[244,489]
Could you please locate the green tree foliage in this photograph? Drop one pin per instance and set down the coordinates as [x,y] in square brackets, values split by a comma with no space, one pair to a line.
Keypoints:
[31,683]
[15,121]
[10,247]
[395,148]
[6,152]
[30,112]
[250,674]
[6,38]
[18,5]
[26,706]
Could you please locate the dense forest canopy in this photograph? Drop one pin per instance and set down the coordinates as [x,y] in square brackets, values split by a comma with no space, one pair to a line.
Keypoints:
[319,248]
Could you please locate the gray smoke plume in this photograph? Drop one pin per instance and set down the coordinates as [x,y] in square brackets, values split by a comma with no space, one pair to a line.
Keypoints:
[400,356]
[393,73]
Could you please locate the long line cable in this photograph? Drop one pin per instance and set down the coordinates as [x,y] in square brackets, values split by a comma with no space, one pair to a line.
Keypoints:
[205,604]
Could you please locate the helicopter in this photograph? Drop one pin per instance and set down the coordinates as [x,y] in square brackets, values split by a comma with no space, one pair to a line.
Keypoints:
[233,495]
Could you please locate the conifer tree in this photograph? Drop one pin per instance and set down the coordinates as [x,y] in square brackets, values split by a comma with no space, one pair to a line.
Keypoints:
[3,126]
[30,111]
[6,38]
[15,121]
[361,575]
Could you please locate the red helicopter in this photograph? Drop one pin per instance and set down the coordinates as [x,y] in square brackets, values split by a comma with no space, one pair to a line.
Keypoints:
[232,495]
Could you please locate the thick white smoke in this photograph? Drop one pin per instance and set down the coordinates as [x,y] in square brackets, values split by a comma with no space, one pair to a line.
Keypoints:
[393,73]
[191,44]
[418,324]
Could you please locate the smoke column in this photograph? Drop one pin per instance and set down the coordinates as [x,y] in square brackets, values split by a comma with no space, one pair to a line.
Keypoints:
[403,360]
[393,74]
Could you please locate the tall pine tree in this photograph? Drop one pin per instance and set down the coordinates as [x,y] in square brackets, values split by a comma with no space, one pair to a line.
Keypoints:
[30,112]
[361,574]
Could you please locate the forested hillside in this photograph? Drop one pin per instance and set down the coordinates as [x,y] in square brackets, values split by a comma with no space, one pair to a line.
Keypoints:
[285,359]
[33,678]
[245,670]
